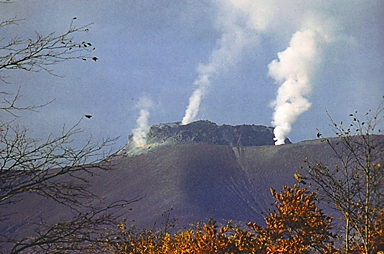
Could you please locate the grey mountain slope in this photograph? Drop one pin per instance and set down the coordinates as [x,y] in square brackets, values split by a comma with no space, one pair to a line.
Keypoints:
[201,181]
[197,180]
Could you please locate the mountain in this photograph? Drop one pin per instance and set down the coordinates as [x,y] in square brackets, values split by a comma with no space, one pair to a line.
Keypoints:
[200,171]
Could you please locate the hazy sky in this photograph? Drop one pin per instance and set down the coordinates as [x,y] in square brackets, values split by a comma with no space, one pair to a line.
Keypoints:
[232,56]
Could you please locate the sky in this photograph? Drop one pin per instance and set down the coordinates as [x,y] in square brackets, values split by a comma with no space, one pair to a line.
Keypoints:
[275,63]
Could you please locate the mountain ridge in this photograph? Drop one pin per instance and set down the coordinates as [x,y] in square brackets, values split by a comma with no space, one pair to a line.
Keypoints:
[203,131]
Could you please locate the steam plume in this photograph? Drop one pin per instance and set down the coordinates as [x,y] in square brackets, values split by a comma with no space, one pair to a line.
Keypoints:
[140,133]
[294,67]
[230,46]
[195,99]
[293,70]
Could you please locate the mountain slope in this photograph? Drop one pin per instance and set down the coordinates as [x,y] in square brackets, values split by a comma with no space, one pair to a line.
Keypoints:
[198,180]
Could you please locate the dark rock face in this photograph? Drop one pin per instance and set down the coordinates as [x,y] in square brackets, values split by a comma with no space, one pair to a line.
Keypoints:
[204,131]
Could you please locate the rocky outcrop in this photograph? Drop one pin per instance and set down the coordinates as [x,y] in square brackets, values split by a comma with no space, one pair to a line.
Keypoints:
[205,131]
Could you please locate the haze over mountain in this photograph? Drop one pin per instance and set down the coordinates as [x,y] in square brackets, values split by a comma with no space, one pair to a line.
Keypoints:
[199,170]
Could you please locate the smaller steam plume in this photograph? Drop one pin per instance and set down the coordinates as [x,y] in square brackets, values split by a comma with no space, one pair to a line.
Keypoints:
[230,46]
[140,133]
[293,71]
[195,99]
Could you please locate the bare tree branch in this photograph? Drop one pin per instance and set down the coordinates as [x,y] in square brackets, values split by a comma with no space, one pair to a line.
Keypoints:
[53,168]
[85,231]
[9,103]
[355,185]
[43,51]
[29,165]
[11,21]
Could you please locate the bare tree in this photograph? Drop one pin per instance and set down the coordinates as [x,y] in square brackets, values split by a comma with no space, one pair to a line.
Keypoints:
[355,185]
[53,168]
[43,51]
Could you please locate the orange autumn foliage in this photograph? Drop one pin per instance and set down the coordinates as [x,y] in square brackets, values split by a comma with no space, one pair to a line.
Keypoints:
[297,226]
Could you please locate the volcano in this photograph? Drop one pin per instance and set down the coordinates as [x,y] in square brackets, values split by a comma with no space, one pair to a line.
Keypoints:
[197,171]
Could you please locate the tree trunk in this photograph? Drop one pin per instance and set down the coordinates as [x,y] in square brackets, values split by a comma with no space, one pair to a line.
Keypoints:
[346,234]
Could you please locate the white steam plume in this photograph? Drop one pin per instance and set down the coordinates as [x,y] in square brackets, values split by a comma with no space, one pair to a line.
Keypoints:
[230,45]
[294,70]
[195,99]
[140,133]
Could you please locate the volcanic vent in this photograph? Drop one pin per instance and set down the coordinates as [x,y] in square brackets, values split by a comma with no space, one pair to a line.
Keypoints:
[203,131]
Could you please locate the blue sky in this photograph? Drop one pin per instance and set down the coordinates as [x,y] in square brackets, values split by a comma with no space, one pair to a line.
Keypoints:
[158,50]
